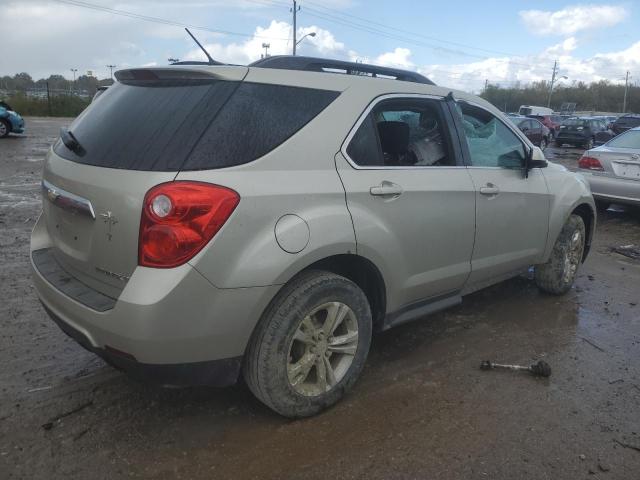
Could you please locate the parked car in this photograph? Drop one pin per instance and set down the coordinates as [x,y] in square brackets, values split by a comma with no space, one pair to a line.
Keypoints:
[626,122]
[583,132]
[613,170]
[552,122]
[525,110]
[535,131]
[265,220]
[10,120]
[99,91]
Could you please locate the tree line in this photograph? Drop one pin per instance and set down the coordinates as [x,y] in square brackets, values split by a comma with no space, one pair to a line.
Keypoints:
[602,96]
[57,96]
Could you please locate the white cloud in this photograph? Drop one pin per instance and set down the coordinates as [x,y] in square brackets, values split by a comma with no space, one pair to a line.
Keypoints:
[398,58]
[324,44]
[572,19]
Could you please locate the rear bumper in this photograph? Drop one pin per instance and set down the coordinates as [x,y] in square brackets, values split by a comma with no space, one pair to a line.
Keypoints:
[571,139]
[217,373]
[166,322]
[615,190]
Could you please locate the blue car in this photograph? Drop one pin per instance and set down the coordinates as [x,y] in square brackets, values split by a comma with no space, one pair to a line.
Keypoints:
[10,121]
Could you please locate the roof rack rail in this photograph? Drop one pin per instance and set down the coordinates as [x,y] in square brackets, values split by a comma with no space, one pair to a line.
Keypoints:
[289,62]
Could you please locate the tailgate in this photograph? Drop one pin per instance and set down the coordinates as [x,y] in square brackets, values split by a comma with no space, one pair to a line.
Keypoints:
[92,216]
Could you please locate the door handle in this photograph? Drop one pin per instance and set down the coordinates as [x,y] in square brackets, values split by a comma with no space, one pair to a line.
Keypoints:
[386,189]
[489,189]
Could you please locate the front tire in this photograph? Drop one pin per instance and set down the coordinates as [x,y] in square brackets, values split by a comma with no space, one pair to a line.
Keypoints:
[310,346]
[558,274]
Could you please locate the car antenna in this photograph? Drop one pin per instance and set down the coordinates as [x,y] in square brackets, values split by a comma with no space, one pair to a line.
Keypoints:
[211,60]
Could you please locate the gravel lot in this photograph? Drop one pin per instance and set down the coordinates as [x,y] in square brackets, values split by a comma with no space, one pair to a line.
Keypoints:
[423,409]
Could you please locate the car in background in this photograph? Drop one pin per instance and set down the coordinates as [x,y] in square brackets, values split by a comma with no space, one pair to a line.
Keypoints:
[585,132]
[533,130]
[534,110]
[626,122]
[99,91]
[552,122]
[613,170]
[10,120]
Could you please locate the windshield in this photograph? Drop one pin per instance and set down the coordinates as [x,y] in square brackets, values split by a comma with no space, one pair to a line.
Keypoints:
[629,139]
[525,111]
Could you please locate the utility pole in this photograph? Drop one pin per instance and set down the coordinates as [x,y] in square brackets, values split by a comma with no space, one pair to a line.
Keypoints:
[486,85]
[111,67]
[295,10]
[553,79]
[266,49]
[626,87]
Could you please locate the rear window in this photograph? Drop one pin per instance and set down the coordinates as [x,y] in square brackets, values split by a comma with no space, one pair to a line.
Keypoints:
[576,122]
[170,125]
[629,139]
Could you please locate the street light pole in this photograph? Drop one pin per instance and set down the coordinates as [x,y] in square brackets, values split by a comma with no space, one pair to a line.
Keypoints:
[266,49]
[74,70]
[111,67]
[626,87]
[553,79]
[310,34]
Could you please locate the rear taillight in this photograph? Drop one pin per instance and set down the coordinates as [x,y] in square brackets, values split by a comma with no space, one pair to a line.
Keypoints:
[179,219]
[590,163]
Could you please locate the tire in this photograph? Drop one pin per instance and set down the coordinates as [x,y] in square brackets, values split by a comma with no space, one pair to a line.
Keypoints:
[558,144]
[5,128]
[588,145]
[543,144]
[558,274]
[293,343]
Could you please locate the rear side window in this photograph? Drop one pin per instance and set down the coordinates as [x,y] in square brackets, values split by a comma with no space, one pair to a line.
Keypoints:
[405,132]
[190,125]
[255,120]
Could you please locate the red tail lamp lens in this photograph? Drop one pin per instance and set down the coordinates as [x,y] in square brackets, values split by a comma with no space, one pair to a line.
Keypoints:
[179,219]
[590,163]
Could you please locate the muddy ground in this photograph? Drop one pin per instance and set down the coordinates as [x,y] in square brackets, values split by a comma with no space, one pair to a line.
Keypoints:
[422,409]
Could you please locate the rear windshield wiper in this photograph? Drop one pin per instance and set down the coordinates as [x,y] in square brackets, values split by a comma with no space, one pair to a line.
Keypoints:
[71,142]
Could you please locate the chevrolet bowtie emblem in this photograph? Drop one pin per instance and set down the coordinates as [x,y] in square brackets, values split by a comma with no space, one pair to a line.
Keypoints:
[110,220]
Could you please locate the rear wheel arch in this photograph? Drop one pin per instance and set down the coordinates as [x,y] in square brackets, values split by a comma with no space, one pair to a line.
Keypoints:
[364,273]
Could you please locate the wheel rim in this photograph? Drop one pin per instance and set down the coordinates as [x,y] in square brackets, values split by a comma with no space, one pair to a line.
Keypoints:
[572,258]
[543,144]
[322,349]
[3,129]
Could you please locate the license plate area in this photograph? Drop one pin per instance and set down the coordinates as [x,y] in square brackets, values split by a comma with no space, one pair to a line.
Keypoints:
[627,170]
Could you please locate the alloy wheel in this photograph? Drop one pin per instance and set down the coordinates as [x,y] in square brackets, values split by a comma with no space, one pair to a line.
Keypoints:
[572,257]
[322,349]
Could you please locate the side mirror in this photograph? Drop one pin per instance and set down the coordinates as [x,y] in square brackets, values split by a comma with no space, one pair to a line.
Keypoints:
[530,162]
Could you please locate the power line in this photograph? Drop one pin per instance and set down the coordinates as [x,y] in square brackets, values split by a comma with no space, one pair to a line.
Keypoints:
[164,21]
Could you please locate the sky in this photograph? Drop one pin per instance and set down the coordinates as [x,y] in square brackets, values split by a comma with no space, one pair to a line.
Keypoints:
[460,44]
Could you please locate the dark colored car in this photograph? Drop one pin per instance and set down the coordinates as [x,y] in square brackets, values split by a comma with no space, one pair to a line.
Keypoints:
[552,122]
[535,131]
[584,132]
[626,122]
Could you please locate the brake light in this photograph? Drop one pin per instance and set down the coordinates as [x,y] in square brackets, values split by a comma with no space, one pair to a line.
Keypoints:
[179,219]
[590,163]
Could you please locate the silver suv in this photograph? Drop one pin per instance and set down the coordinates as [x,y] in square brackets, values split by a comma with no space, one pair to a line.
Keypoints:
[202,222]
